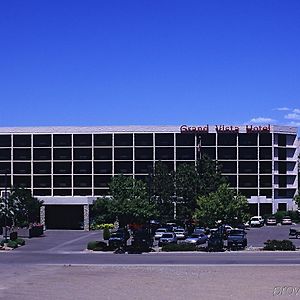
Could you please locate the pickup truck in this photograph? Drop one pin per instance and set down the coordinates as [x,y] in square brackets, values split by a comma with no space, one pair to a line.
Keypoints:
[295,232]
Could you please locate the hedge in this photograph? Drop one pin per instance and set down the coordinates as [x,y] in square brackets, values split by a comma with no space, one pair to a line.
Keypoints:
[277,245]
[179,247]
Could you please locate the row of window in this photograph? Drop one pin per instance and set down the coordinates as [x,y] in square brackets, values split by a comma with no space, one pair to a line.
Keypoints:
[104,180]
[139,153]
[125,167]
[139,139]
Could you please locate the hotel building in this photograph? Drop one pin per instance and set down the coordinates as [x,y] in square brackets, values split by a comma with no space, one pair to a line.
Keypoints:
[69,167]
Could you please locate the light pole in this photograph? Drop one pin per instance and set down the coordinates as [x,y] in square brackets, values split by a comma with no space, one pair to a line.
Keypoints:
[5,207]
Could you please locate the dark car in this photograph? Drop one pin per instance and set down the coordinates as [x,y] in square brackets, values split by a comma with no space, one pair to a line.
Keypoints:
[118,238]
[215,242]
[295,232]
[142,239]
[237,239]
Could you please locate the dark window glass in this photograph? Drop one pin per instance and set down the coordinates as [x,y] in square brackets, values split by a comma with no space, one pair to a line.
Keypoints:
[282,167]
[123,154]
[265,139]
[208,151]
[227,139]
[143,167]
[82,140]
[22,140]
[168,164]
[101,192]
[185,153]
[143,153]
[41,181]
[123,139]
[62,181]
[62,192]
[123,167]
[232,180]
[5,168]
[62,140]
[164,139]
[248,153]
[282,181]
[22,154]
[265,180]
[248,193]
[265,167]
[185,139]
[102,181]
[62,167]
[282,153]
[164,153]
[62,154]
[102,153]
[248,167]
[42,192]
[82,181]
[102,167]
[180,163]
[144,178]
[22,181]
[22,168]
[5,140]
[248,139]
[5,181]
[207,139]
[42,168]
[103,140]
[42,140]
[5,154]
[248,181]
[228,166]
[82,154]
[282,206]
[82,167]
[265,153]
[143,139]
[226,153]
[42,154]
[281,140]
[266,192]
[82,192]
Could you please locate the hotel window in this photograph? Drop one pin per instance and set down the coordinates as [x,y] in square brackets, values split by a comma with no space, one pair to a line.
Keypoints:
[248,153]
[123,167]
[123,153]
[102,180]
[41,181]
[248,139]
[5,140]
[42,140]
[265,139]
[42,168]
[102,140]
[227,139]
[22,168]
[82,168]
[82,140]
[185,139]
[164,153]
[42,154]
[22,181]
[143,139]
[22,140]
[123,139]
[164,139]
[82,181]
[5,168]
[226,153]
[22,154]
[62,154]
[103,154]
[62,168]
[143,153]
[82,154]
[185,153]
[207,139]
[62,181]
[102,167]
[62,140]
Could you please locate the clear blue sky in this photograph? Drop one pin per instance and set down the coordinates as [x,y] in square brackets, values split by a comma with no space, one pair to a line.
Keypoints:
[155,62]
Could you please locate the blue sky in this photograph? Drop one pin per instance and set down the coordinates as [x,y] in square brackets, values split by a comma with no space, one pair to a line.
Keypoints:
[149,62]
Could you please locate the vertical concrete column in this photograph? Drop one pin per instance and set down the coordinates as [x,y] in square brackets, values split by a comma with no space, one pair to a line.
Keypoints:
[86,217]
[43,216]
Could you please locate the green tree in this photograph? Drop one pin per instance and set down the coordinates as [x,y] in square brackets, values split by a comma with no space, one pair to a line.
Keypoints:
[210,177]
[224,204]
[102,211]
[130,200]
[22,207]
[186,189]
[297,200]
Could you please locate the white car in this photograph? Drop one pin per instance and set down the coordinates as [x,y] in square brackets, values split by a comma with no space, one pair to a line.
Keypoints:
[256,221]
[286,221]
[180,233]
[159,232]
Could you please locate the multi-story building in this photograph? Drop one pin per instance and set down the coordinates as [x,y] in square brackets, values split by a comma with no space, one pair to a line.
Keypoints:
[69,167]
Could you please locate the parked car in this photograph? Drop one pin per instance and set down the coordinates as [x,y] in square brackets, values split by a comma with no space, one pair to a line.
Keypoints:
[159,232]
[237,239]
[118,239]
[256,221]
[142,239]
[180,233]
[295,232]
[286,221]
[215,242]
[167,238]
[197,238]
[271,221]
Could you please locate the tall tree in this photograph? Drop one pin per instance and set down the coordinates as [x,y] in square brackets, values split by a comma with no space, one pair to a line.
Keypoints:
[224,204]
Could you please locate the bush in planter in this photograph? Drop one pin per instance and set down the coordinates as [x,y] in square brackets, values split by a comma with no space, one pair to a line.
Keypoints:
[179,247]
[20,241]
[277,245]
[97,246]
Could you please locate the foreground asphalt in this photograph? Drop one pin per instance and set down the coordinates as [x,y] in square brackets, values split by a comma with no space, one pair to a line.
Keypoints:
[58,266]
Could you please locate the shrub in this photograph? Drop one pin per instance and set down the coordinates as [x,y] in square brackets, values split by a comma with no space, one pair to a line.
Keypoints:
[103,226]
[179,247]
[20,241]
[12,244]
[277,245]
[97,246]
[106,234]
